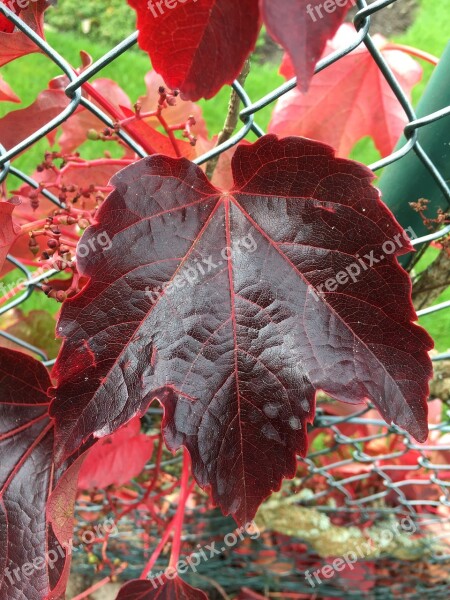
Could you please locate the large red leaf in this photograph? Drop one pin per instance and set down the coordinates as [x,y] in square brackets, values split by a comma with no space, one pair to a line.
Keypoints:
[173,589]
[116,458]
[235,349]
[349,100]
[297,26]
[200,45]
[33,562]
[14,43]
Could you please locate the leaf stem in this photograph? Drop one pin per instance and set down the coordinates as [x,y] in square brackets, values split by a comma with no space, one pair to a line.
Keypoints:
[413,52]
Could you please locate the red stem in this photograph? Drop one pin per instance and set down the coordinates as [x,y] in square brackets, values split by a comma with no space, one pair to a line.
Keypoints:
[413,52]
[175,524]
[169,132]
[99,584]
[179,517]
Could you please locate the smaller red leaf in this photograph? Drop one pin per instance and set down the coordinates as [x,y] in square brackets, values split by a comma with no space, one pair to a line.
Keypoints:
[6,93]
[14,43]
[9,231]
[174,589]
[19,124]
[117,458]
[349,100]
[303,29]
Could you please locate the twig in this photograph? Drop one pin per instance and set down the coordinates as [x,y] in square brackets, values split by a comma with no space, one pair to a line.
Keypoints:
[231,121]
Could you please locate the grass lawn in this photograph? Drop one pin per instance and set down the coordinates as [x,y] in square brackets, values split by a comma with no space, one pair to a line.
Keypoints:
[29,75]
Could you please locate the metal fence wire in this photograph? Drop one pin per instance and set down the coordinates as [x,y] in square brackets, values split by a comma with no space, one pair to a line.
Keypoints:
[342,491]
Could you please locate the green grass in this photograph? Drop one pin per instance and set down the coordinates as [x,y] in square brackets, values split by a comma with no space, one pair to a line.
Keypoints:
[30,75]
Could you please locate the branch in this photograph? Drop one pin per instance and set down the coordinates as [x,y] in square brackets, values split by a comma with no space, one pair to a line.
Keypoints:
[231,121]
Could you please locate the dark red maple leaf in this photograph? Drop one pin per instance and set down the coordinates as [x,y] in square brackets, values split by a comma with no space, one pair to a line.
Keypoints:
[235,348]
[198,46]
[34,562]
[172,589]
[303,31]
[14,43]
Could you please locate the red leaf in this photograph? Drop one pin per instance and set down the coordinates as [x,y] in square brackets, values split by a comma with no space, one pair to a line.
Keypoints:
[200,45]
[19,124]
[116,458]
[349,100]
[8,230]
[33,562]
[6,93]
[14,43]
[174,589]
[297,26]
[235,349]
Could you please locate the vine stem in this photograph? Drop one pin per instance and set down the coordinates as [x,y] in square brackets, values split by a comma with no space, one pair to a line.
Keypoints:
[176,524]
[179,518]
[169,132]
[106,105]
[100,584]
[413,52]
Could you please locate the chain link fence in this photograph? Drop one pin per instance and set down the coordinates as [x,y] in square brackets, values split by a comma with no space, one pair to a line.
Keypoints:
[344,492]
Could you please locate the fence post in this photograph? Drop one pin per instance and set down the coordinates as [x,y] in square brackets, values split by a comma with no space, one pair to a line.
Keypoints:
[408,179]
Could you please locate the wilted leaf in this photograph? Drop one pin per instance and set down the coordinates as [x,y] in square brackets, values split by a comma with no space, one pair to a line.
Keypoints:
[37,328]
[236,349]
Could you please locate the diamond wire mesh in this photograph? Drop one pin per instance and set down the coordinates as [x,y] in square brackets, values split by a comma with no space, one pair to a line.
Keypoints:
[382,483]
